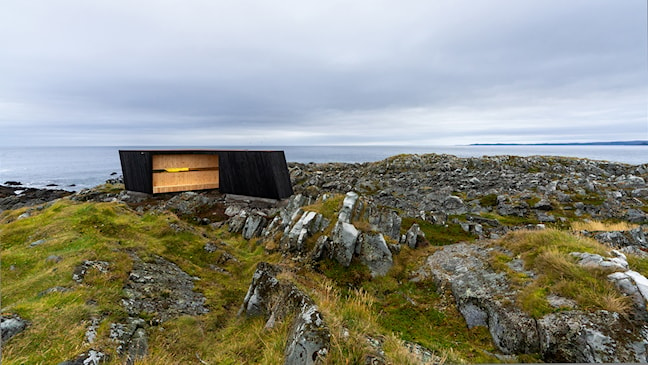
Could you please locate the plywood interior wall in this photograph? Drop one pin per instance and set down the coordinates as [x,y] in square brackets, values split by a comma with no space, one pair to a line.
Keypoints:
[161,162]
[200,172]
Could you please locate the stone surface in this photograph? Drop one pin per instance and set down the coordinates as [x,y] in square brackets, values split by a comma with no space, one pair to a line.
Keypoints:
[160,288]
[81,270]
[90,357]
[343,242]
[309,337]
[375,254]
[618,263]
[11,325]
[485,298]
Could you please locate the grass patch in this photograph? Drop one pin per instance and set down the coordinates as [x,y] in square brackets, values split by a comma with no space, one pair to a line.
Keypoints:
[329,208]
[592,199]
[546,252]
[511,220]
[489,200]
[594,225]
[436,234]
[74,232]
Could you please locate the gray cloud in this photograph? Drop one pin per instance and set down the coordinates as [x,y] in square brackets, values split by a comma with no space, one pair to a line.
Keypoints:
[306,72]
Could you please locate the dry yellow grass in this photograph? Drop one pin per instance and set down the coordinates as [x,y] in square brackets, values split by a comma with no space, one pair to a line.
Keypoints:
[602,226]
[547,252]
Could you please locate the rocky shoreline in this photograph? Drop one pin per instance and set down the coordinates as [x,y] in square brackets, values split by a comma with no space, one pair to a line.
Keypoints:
[367,213]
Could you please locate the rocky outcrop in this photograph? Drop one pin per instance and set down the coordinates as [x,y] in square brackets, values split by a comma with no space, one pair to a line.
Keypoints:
[619,239]
[276,300]
[81,270]
[90,357]
[12,197]
[11,325]
[452,185]
[485,298]
[160,288]
[374,253]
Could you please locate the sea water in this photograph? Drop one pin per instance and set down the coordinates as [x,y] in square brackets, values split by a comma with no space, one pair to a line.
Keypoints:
[76,168]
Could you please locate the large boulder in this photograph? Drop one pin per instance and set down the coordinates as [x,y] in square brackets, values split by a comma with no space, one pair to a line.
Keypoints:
[158,286]
[374,253]
[11,325]
[343,242]
[585,337]
[483,296]
[277,300]
[349,203]
[632,237]
[307,225]
[388,222]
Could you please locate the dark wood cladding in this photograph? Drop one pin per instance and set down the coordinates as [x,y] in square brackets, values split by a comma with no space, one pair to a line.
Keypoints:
[136,169]
[253,173]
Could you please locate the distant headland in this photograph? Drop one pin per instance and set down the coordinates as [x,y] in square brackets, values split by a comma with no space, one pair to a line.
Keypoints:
[616,143]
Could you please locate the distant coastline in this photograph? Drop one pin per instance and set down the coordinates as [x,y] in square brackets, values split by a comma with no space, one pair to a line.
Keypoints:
[616,143]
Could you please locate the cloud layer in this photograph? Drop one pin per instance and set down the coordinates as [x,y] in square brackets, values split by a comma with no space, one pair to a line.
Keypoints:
[288,72]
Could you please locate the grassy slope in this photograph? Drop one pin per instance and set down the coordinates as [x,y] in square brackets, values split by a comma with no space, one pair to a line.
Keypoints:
[390,309]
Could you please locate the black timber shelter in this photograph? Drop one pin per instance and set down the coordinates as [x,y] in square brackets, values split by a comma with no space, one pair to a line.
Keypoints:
[252,173]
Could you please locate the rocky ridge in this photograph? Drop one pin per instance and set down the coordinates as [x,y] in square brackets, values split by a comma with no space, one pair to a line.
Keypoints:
[383,206]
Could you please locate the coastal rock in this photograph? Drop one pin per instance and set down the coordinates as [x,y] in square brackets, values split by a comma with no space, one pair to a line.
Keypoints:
[9,199]
[131,339]
[90,357]
[453,205]
[635,286]
[276,300]
[636,216]
[11,325]
[343,242]
[414,237]
[388,222]
[308,339]
[162,289]
[253,226]
[307,225]
[580,337]
[415,183]
[485,298]
[375,254]
[633,237]
[348,205]
[81,270]
[617,263]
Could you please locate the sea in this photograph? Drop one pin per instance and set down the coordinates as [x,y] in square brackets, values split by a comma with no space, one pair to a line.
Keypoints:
[76,168]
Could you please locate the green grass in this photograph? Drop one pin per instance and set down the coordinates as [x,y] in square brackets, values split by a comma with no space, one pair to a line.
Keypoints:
[489,200]
[438,235]
[547,252]
[109,231]
[355,306]
[329,208]
[511,220]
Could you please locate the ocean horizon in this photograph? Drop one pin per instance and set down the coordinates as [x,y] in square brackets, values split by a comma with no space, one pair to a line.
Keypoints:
[76,168]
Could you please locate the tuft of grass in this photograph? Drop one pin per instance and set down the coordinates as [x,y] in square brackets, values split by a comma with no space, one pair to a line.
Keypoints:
[489,200]
[329,208]
[511,220]
[595,225]
[591,199]
[439,235]
[547,253]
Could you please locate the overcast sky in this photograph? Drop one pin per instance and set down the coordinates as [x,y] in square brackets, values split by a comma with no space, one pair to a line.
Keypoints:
[312,72]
